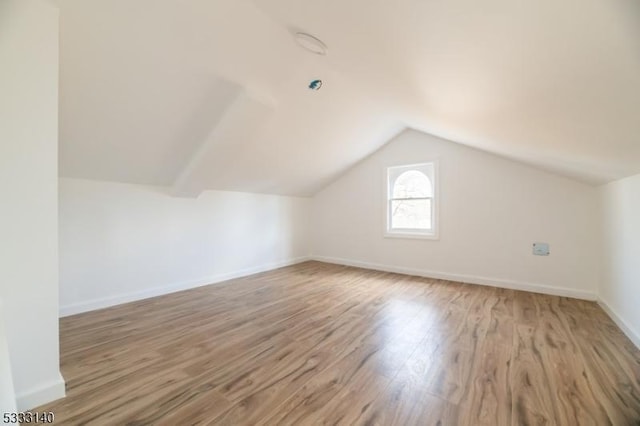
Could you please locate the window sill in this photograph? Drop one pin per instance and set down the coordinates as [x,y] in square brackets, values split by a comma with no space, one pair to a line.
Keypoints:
[411,235]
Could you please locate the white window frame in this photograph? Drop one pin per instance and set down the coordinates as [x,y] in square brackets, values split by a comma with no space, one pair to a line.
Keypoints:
[392,173]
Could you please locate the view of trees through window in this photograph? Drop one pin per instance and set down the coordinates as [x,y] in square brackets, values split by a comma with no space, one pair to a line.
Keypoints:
[410,201]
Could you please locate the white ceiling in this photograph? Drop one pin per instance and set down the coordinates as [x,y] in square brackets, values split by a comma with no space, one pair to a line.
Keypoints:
[211,94]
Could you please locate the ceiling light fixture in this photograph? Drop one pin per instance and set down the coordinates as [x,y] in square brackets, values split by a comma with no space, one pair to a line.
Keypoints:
[310,43]
[315,85]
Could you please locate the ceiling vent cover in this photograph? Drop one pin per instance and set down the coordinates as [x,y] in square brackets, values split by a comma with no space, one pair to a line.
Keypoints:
[310,43]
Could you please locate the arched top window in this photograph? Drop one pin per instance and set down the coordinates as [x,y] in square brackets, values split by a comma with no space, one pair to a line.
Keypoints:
[412,184]
[411,201]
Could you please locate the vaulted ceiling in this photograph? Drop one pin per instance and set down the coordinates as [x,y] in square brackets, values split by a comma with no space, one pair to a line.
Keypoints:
[212,94]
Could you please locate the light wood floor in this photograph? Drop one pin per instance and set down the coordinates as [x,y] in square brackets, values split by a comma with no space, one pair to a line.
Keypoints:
[324,344]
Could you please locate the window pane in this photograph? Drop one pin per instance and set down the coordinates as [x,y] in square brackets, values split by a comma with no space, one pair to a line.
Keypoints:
[412,184]
[411,214]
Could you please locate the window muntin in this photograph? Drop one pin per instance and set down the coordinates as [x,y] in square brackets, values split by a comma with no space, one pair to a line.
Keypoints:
[411,200]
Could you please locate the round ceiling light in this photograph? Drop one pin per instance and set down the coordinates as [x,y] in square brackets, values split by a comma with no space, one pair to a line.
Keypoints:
[311,43]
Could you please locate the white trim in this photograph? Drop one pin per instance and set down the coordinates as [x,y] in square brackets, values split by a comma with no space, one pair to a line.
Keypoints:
[41,395]
[416,235]
[469,279]
[627,329]
[91,305]
[431,234]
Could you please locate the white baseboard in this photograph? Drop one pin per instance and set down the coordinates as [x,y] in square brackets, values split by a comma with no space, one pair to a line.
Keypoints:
[633,335]
[91,305]
[41,395]
[470,279]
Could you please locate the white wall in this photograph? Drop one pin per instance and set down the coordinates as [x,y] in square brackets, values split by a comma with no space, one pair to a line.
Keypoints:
[491,211]
[7,393]
[121,242]
[620,285]
[28,196]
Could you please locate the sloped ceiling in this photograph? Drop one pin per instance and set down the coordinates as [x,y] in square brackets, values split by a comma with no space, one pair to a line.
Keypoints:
[212,94]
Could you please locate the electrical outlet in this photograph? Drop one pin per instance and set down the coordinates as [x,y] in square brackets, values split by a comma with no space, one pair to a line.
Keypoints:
[541,249]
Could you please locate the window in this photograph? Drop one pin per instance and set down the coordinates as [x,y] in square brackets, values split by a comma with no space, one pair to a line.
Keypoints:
[411,201]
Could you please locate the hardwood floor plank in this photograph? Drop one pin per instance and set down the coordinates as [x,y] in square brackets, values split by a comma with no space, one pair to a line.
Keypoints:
[197,408]
[531,399]
[614,381]
[488,400]
[489,396]
[305,405]
[316,343]
[405,402]
[525,309]
[504,301]
[260,402]
[290,361]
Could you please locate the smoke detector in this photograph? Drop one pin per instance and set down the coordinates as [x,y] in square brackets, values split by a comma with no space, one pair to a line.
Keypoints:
[310,43]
